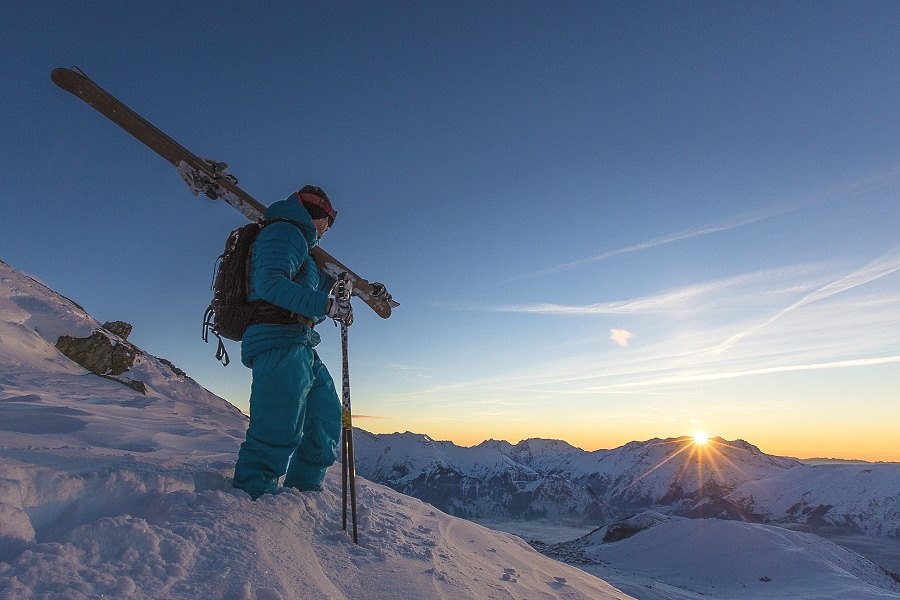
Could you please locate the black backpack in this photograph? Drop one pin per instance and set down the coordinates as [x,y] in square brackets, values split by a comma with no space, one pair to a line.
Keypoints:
[230,313]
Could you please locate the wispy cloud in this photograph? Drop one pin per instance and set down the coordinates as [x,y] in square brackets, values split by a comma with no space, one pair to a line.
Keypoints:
[734,222]
[687,378]
[781,283]
[843,191]
[401,367]
[411,372]
[875,270]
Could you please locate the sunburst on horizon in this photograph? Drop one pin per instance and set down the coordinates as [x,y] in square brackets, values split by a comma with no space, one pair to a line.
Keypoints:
[700,437]
[706,456]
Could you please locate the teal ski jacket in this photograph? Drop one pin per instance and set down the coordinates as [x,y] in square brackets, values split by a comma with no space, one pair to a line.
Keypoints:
[283,273]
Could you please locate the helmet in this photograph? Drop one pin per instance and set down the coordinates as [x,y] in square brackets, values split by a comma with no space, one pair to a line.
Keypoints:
[316,202]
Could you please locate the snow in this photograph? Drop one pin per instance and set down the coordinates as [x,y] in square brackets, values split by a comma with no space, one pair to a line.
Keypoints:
[689,559]
[417,453]
[868,495]
[543,530]
[107,492]
[159,539]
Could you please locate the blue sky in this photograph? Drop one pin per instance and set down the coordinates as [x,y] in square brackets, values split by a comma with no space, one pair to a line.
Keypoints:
[604,221]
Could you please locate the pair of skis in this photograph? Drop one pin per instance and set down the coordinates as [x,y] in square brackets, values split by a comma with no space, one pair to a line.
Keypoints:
[212,179]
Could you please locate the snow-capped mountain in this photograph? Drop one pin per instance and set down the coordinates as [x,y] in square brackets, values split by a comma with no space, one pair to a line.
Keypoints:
[472,482]
[552,479]
[115,482]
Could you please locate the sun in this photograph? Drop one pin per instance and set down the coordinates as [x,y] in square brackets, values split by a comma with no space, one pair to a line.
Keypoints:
[700,438]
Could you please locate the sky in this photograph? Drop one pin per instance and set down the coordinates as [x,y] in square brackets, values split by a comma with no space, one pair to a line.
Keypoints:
[604,221]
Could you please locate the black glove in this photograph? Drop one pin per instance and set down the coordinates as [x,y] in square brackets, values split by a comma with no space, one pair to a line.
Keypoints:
[339,307]
[379,292]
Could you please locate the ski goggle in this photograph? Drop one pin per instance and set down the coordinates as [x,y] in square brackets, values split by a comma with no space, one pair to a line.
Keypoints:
[321,203]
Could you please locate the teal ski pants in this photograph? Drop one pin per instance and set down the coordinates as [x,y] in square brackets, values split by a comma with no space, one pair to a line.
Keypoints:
[295,423]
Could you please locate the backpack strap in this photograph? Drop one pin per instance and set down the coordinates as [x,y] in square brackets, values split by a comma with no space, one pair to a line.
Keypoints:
[210,327]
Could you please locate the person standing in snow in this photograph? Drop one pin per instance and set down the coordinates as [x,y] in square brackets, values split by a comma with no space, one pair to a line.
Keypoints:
[295,413]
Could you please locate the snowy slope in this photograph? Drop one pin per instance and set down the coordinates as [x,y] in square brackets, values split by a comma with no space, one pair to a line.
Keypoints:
[108,492]
[46,393]
[161,538]
[864,498]
[689,559]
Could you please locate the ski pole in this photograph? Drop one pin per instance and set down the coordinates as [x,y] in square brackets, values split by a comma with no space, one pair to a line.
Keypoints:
[348,467]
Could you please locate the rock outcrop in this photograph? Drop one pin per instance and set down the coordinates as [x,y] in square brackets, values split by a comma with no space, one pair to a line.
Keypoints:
[98,353]
[106,352]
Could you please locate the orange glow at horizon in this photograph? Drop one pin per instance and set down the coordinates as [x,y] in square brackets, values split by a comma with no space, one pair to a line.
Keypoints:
[779,439]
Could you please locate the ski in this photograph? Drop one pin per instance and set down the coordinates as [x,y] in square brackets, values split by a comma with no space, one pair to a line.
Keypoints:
[203,175]
[348,462]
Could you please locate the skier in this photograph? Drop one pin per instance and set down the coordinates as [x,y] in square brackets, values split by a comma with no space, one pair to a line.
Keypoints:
[295,413]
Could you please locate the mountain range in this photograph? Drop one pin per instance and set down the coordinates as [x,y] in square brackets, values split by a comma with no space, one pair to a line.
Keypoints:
[551,479]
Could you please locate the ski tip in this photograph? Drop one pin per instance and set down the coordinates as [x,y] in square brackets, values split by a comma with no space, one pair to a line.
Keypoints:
[64,77]
[384,310]
[62,74]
